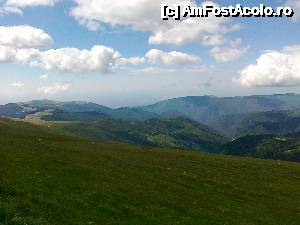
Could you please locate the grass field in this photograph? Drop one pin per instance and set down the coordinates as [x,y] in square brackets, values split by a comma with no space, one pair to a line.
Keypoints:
[49,179]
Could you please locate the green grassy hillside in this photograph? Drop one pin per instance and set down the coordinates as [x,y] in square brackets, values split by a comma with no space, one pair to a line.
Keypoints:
[48,179]
[174,133]
[266,146]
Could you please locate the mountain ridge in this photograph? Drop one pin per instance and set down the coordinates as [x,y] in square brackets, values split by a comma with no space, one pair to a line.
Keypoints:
[203,109]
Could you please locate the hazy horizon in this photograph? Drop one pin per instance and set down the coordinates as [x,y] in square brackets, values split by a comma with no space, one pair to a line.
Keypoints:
[150,103]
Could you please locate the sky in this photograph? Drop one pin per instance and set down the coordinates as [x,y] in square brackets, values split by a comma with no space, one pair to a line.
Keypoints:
[121,53]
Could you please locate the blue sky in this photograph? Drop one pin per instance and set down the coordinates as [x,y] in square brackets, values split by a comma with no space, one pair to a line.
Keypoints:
[139,58]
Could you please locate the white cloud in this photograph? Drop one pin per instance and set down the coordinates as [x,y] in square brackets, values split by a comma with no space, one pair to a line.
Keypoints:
[9,9]
[30,3]
[44,77]
[15,6]
[7,54]
[24,37]
[206,31]
[18,84]
[21,44]
[54,89]
[156,56]
[26,55]
[274,69]
[99,58]
[132,61]
[144,15]
[295,5]
[231,53]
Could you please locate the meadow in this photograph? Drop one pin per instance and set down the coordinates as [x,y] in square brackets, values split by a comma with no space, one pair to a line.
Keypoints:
[47,178]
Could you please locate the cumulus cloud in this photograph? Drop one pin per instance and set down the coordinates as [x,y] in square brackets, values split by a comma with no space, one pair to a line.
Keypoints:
[156,56]
[274,69]
[206,31]
[144,15]
[231,53]
[24,37]
[98,58]
[26,55]
[295,4]
[140,15]
[7,54]
[18,84]
[54,89]
[22,44]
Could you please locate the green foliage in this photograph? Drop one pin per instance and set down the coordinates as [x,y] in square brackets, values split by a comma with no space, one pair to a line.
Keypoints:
[132,114]
[46,179]
[174,133]
[73,116]
[266,146]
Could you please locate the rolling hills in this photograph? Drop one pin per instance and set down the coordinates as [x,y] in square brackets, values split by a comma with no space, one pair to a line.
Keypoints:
[173,133]
[47,178]
[255,135]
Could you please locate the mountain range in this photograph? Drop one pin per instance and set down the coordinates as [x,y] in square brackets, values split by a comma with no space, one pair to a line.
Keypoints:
[203,109]
[203,123]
